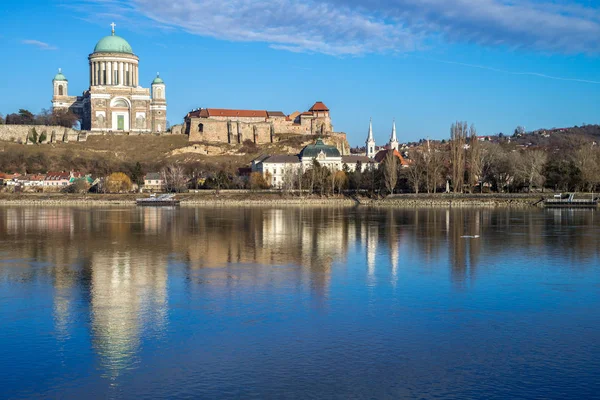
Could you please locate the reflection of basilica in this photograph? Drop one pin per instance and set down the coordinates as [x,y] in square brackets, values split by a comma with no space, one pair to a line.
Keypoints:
[128,294]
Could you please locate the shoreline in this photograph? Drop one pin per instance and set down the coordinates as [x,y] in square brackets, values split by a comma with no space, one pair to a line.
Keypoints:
[276,199]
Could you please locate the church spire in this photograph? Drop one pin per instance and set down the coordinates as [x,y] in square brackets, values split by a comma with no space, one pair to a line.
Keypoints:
[113,28]
[370,141]
[393,138]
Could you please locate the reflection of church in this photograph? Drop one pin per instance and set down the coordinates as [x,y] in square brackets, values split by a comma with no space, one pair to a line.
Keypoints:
[115,101]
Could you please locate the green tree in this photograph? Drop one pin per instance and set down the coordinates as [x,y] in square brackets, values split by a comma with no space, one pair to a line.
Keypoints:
[33,136]
[137,174]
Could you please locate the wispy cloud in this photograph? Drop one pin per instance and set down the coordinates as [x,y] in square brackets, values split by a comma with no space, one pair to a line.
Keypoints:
[38,44]
[355,27]
[507,72]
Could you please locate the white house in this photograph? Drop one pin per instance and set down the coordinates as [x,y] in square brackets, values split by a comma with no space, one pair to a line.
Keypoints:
[280,167]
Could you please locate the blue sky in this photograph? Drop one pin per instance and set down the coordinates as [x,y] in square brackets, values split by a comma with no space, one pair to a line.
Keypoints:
[426,63]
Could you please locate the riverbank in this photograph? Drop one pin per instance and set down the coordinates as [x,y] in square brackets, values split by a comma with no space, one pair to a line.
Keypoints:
[233,198]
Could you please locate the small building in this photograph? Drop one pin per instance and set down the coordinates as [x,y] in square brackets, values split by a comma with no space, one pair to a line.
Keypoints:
[57,179]
[279,168]
[352,161]
[154,182]
[31,181]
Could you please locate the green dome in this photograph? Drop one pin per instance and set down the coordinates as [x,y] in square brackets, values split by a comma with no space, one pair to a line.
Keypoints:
[158,80]
[59,77]
[113,44]
[313,150]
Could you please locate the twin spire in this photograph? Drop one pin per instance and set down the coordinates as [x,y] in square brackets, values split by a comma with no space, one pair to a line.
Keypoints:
[393,144]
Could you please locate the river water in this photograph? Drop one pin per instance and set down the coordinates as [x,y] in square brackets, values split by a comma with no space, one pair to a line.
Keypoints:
[299,303]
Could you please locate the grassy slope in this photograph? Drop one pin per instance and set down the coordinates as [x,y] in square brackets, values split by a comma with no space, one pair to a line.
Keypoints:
[149,150]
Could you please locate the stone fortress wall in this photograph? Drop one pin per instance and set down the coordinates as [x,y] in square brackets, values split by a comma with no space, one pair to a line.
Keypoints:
[57,134]
[259,126]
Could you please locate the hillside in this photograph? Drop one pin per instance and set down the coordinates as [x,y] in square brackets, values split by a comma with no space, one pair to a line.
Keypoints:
[103,154]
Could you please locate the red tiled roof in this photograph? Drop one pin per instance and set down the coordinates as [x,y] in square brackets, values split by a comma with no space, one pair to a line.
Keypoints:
[220,112]
[380,156]
[32,178]
[57,176]
[319,106]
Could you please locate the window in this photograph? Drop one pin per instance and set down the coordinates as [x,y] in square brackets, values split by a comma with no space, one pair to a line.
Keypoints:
[120,103]
[201,128]
[60,90]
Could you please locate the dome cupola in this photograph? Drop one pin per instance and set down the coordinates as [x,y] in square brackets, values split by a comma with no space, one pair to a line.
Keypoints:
[158,80]
[59,76]
[113,44]
[313,150]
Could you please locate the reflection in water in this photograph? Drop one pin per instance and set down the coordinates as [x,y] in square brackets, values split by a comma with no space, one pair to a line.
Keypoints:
[122,266]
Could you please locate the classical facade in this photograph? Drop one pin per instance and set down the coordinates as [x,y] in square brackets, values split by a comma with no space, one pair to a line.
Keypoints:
[277,169]
[259,126]
[115,101]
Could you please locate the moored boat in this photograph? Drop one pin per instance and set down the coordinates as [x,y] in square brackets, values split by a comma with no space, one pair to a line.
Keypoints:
[162,200]
[569,201]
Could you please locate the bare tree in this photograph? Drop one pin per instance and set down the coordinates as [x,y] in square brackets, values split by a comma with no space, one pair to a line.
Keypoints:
[434,158]
[475,159]
[390,171]
[458,136]
[587,158]
[529,166]
[289,178]
[174,177]
[415,174]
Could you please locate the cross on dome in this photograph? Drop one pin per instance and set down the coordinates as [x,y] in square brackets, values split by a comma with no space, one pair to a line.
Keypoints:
[113,28]
[60,70]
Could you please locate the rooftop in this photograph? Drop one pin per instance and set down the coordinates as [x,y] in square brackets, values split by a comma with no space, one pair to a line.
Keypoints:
[313,150]
[319,106]
[282,159]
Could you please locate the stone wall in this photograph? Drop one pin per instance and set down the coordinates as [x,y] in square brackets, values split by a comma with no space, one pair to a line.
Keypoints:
[20,133]
[223,131]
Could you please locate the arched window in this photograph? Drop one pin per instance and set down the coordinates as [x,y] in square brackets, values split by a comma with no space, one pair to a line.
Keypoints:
[60,90]
[201,128]
[120,103]
[158,94]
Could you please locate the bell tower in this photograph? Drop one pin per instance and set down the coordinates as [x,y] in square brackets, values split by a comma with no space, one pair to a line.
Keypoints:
[158,107]
[393,138]
[370,143]
[61,84]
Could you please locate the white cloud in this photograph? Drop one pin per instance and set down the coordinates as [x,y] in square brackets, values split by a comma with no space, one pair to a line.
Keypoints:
[355,27]
[38,44]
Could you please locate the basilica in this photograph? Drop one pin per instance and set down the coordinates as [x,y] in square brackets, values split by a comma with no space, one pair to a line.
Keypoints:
[115,101]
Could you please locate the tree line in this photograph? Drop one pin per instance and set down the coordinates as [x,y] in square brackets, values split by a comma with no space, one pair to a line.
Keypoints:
[66,118]
[467,165]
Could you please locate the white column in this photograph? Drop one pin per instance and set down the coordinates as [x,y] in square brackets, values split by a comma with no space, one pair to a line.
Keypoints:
[121,74]
[109,73]
[137,75]
[91,74]
[116,70]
